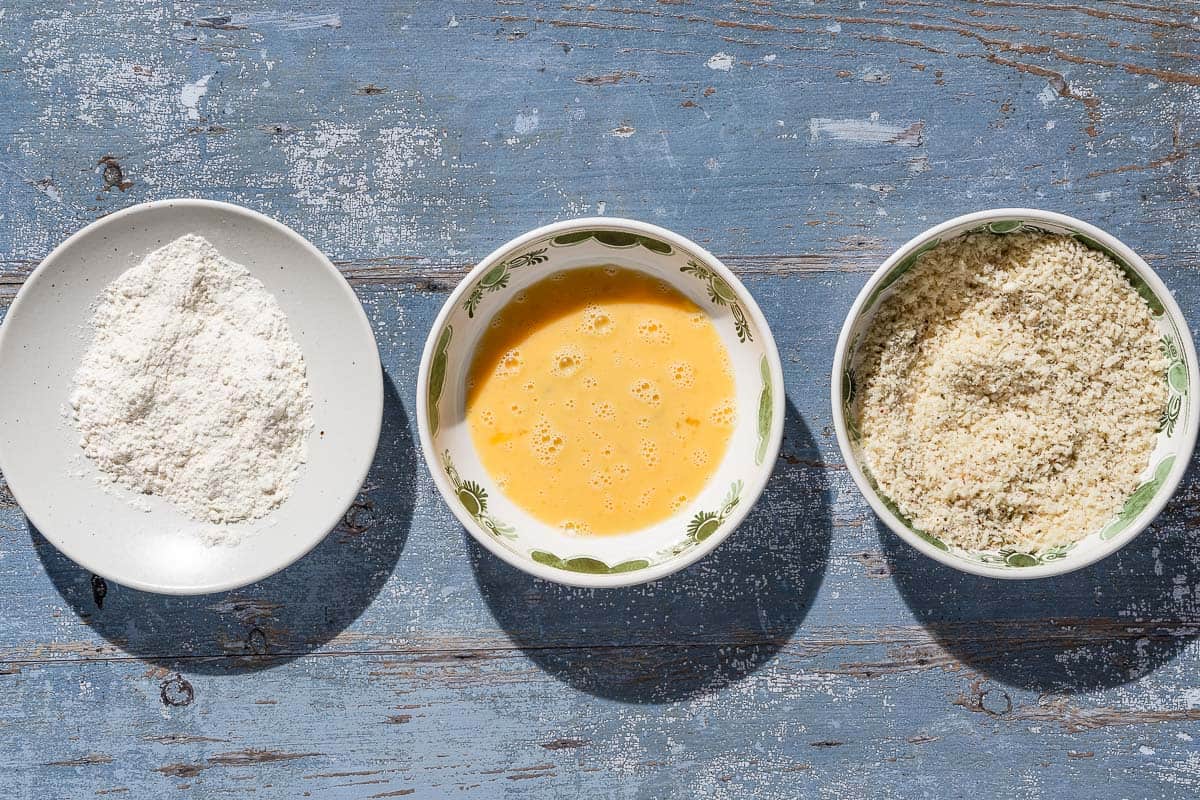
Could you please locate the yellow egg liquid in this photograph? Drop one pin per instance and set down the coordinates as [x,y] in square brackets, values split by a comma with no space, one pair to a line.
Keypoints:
[600,400]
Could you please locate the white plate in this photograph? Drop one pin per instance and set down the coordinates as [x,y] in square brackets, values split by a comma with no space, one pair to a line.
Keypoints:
[45,333]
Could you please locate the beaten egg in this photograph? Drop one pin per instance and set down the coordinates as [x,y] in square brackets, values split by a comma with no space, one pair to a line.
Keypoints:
[601,400]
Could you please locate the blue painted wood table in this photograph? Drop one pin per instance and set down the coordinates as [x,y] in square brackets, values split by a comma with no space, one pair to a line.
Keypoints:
[813,655]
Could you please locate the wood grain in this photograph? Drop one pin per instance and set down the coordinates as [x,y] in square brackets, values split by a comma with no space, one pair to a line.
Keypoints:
[813,654]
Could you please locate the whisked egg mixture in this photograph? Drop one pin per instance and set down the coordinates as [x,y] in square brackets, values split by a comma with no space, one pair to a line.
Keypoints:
[601,400]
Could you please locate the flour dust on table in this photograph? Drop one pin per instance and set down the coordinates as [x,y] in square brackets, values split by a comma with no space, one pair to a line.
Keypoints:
[193,388]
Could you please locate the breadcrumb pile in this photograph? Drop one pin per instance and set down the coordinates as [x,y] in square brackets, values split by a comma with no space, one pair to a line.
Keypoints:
[1009,391]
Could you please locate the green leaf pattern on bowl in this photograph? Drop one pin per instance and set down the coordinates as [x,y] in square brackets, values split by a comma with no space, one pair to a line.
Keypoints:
[1140,498]
[1177,386]
[1008,557]
[473,498]
[437,379]
[706,523]
[587,564]
[614,239]
[497,277]
[721,294]
[764,412]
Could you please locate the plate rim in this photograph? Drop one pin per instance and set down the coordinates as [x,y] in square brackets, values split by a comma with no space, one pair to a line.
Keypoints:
[360,318]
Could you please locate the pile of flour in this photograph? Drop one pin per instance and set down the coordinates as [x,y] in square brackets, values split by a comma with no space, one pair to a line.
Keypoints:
[193,388]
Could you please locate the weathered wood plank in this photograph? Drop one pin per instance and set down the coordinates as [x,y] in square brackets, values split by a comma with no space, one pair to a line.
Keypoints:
[813,654]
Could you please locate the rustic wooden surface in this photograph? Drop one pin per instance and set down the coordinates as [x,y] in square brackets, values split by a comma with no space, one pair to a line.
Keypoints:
[814,654]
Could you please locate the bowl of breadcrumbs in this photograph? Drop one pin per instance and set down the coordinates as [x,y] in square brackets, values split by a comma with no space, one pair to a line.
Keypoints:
[1015,393]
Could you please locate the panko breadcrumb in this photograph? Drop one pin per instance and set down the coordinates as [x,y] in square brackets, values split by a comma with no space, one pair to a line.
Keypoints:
[1009,391]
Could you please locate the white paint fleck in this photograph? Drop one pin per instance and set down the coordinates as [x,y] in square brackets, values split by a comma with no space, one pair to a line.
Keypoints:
[1152,86]
[600,207]
[712,164]
[1050,124]
[722,62]
[876,76]
[453,23]
[1047,96]
[190,94]
[918,165]
[1104,197]
[870,131]
[285,21]
[526,122]
[1146,751]
[623,131]
[834,27]
[1183,737]
[1191,697]
[769,58]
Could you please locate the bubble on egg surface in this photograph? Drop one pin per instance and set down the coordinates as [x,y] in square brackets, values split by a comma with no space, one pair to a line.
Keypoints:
[600,479]
[653,332]
[699,456]
[566,361]
[602,409]
[573,527]
[646,391]
[546,443]
[648,450]
[682,374]
[510,363]
[724,414]
[596,321]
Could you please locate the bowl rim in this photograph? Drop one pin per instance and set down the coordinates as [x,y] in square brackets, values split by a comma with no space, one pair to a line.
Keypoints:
[1169,486]
[307,545]
[755,483]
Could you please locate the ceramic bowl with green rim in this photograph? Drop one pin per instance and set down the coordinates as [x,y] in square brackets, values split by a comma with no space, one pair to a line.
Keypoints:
[547,551]
[1177,428]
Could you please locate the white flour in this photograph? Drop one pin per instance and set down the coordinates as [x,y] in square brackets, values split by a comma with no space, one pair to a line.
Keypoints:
[193,388]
